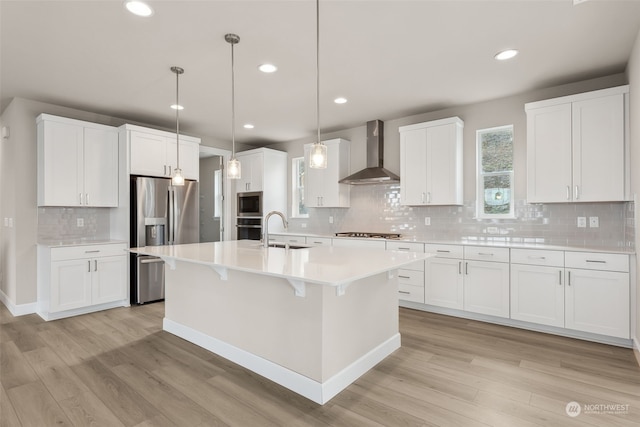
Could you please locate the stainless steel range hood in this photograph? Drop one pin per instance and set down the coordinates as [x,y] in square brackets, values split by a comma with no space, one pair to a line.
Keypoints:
[375,173]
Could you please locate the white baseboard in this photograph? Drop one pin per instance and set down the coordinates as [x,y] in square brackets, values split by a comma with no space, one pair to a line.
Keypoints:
[313,390]
[19,309]
[79,311]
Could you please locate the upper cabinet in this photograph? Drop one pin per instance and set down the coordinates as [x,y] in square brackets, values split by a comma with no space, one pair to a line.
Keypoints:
[252,165]
[77,163]
[431,163]
[321,186]
[153,152]
[576,148]
[265,170]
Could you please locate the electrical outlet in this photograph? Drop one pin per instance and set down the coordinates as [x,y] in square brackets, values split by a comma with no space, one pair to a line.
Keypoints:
[427,220]
[330,220]
[303,225]
[80,222]
[582,222]
[594,222]
[492,230]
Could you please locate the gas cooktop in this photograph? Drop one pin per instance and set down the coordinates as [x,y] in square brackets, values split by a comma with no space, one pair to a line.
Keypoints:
[369,235]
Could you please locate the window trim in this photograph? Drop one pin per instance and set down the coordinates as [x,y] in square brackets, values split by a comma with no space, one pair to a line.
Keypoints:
[480,176]
[295,212]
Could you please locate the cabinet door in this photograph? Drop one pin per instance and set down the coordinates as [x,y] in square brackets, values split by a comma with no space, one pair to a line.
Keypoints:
[62,164]
[148,154]
[413,170]
[444,283]
[312,183]
[537,294]
[444,183]
[598,149]
[486,288]
[190,160]
[70,284]
[598,302]
[109,279]
[100,167]
[549,154]
[251,172]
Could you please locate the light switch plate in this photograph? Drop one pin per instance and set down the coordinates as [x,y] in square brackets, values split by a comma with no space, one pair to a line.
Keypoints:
[80,222]
[427,220]
[594,222]
[582,221]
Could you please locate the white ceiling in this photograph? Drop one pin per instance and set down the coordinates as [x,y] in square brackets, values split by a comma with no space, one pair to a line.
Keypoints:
[389,58]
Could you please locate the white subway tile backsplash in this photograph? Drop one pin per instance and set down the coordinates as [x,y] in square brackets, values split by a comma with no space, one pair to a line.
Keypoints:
[59,223]
[377,208]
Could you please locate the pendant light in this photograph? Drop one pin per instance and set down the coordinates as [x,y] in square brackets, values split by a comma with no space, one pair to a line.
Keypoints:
[177,178]
[318,152]
[233,166]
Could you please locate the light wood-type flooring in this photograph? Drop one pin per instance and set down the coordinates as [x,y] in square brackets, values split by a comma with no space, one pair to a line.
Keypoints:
[118,368]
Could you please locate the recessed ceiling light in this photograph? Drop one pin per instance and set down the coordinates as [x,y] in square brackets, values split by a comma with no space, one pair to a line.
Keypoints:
[340,100]
[177,107]
[139,8]
[506,54]
[248,126]
[267,68]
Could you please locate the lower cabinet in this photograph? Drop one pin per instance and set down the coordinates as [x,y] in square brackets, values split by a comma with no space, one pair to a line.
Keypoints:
[411,277]
[486,280]
[597,299]
[80,279]
[444,281]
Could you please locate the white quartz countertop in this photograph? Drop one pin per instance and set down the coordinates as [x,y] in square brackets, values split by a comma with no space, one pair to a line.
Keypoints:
[325,265]
[78,242]
[498,243]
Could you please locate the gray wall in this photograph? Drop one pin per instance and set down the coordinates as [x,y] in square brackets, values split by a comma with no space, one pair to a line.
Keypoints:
[633,71]
[209,225]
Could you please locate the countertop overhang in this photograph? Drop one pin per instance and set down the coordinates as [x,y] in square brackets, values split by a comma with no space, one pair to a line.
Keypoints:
[324,265]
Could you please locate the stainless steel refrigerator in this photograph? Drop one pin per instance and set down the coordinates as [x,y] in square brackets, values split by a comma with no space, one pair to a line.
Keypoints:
[161,214]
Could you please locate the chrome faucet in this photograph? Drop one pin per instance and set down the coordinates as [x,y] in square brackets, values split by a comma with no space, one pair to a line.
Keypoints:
[265,237]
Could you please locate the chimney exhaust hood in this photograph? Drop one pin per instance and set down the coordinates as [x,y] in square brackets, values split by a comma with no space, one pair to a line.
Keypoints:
[374,173]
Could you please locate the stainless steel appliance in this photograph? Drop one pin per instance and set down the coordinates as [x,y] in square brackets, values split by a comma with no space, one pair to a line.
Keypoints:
[161,214]
[250,204]
[249,228]
[368,235]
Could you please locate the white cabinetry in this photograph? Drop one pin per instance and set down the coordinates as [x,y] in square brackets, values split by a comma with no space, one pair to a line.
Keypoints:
[153,152]
[80,279]
[322,189]
[537,286]
[410,277]
[77,163]
[252,171]
[486,280]
[359,243]
[597,293]
[576,148]
[431,163]
[287,238]
[444,279]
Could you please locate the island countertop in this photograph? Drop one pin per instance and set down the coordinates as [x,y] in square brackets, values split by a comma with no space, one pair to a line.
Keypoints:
[325,265]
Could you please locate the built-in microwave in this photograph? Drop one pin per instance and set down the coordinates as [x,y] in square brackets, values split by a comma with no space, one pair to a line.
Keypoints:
[250,204]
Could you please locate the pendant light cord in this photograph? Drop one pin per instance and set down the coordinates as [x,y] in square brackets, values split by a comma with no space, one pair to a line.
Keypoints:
[233,106]
[318,68]
[178,71]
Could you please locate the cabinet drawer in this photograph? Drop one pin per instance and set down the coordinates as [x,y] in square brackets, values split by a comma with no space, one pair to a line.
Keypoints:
[597,261]
[405,246]
[87,251]
[484,253]
[411,277]
[359,243]
[445,251]
[411,293]
[318,241]
[286,238]
[537,257]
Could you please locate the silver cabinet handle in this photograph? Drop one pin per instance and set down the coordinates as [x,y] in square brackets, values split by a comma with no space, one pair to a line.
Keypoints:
[405,292]
[151,261]
[95,265]
[89,266]
[403,249]
[318,243]
[86,198]
[459,267]
[423,197]
[293,241]
[443,251]
[568,192]
[165,170]
[560,277]
[466,268]
[404,277]
[169,167]
[568,278]
[91,252]
[485,254]
[577,193]
[428,196]
[80,197]
[537,257]
[597,261]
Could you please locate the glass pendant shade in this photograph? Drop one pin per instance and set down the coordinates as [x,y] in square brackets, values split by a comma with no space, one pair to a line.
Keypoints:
[318,156]
[234,170]
[177,178]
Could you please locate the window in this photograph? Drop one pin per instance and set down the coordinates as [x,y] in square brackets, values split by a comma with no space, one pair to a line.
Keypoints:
[494,197]
[298,209]
[217,193]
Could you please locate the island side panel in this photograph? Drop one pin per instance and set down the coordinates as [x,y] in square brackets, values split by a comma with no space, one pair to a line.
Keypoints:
[357,322]
[256,313]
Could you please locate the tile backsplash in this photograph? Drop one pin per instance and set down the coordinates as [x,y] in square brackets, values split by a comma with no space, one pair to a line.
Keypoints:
[376,208]
[61,224]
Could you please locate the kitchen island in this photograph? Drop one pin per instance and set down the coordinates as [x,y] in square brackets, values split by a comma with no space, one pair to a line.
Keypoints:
[310,319]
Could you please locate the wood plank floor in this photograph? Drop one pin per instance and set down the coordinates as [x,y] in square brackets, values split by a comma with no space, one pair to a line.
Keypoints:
[118,368]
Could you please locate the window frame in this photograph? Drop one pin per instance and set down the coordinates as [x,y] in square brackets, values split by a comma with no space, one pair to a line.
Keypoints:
[480,198]
[295,188]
